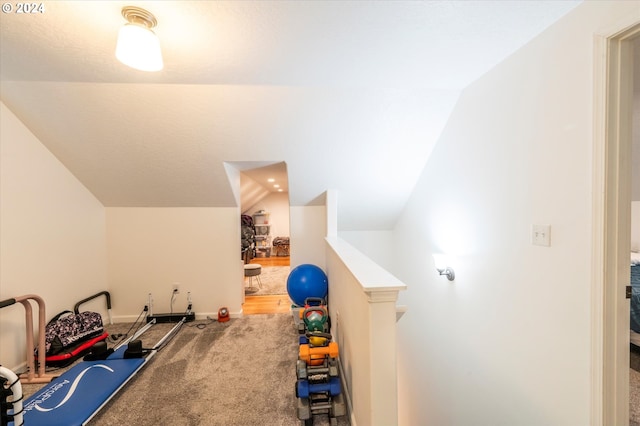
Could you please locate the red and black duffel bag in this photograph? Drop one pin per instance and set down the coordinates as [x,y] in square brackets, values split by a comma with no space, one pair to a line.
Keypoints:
[70,335]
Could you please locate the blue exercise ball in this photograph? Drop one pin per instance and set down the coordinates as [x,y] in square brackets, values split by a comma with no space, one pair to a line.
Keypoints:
[306,281]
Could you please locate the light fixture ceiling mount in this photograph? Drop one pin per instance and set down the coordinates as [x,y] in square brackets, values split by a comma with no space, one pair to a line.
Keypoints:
[138,46]
[139,16]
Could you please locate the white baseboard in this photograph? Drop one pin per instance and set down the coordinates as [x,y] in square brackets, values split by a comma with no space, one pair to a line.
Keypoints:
[199,316]
[22,367]
[345,393]
[214,315]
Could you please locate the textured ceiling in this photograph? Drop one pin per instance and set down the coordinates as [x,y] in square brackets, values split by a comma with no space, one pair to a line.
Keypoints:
[352,96]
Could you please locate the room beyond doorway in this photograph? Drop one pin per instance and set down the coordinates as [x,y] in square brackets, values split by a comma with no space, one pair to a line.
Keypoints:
[272,261]
[272,303]
[265,211]
[275,304]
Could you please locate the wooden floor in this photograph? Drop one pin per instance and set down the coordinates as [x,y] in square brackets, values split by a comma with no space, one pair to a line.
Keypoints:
[272,261]
[276,304]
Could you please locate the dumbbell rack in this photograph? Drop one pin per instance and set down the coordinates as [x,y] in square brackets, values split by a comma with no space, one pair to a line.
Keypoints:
[318,386]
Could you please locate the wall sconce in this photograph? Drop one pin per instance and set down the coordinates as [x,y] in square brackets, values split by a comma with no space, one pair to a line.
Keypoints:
[442,268]
[138,46]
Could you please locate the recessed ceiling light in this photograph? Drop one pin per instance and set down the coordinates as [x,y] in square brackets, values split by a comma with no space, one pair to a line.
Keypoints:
[276,186]
[280,190]
[271,180]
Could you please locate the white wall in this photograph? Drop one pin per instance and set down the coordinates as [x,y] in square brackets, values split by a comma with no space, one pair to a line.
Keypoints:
[509,342]
[308,231]
[376,245]
[52,234]
[151,248]
[635,226]
[635,170]
[635,129]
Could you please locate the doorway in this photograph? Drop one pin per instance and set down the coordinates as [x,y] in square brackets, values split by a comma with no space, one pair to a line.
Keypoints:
[634,356]
[612,224]
[265,221]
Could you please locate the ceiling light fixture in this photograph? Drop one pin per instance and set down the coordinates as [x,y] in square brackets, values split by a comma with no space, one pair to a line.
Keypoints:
[138,46]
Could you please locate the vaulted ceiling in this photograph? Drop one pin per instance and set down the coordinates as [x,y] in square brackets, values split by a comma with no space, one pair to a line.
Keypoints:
[350,95]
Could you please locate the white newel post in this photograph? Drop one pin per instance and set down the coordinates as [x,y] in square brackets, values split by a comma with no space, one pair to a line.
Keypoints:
[384,384]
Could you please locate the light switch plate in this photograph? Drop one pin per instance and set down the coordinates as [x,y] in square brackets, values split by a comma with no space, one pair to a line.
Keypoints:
[541,235]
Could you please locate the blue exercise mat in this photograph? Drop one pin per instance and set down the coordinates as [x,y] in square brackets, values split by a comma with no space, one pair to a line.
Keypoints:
[74,397]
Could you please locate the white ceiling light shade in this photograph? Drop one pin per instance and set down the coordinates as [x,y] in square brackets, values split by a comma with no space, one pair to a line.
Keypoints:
[138,46]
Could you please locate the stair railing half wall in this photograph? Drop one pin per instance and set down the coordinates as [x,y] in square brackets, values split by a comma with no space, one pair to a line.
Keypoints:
[362,307]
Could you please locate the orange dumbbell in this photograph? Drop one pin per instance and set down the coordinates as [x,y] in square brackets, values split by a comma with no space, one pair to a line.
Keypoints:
[316,355]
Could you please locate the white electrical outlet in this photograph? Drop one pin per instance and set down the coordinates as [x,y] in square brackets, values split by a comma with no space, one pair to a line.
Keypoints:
[176,288]
[541,235]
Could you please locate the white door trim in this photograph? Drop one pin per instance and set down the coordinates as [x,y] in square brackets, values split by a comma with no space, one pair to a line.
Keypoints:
[613,78]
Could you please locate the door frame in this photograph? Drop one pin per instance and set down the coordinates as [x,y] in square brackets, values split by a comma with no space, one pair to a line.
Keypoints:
[613,107]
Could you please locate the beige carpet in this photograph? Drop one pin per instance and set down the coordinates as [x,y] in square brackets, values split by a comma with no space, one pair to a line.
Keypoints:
[273,279]
[242,372]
